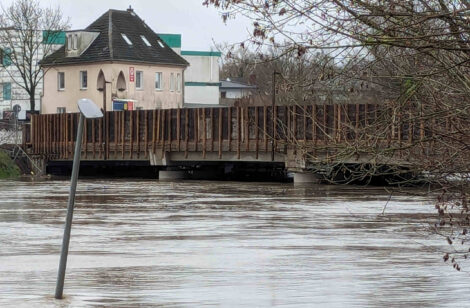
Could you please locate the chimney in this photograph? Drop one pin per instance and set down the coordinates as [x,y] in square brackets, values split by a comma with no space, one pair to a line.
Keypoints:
[130,9]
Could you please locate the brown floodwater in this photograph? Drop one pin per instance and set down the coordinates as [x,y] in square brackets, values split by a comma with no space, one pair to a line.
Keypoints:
[222,244]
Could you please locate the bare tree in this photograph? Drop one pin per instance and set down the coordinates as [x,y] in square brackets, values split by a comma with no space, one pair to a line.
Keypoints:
[26,33]
[418,52]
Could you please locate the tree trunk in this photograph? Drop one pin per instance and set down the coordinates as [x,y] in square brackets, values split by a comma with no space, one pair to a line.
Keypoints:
[32,102]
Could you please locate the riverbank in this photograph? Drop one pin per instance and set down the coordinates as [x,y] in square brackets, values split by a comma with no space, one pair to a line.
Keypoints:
[8,168]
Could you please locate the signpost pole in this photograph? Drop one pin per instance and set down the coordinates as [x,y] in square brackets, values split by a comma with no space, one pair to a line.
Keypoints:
[68,222]
[88,110]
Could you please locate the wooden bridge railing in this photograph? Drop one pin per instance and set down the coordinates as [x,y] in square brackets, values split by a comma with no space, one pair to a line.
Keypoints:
[125,135]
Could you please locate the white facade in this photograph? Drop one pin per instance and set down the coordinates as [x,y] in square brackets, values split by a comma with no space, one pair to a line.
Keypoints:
[10,78]
[201,78]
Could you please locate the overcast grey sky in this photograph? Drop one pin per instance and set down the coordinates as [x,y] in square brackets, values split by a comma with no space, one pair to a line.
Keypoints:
[198,25]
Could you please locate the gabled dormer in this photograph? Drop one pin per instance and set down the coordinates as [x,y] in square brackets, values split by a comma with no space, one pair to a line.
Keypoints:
[77,42]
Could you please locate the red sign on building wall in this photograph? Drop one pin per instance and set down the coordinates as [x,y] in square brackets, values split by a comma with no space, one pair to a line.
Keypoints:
[131,74]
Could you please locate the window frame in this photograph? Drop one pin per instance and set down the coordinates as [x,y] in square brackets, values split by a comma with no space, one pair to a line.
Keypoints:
[160,81]
[81,74]
[69,42]
[178,82]
[75,42]
[8,86]
[172,82]
[146,41]
[59,74]
[126,39]
[61,110]
[139,80]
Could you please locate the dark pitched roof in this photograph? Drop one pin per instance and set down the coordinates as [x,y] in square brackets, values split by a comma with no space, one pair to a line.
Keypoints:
[110,45]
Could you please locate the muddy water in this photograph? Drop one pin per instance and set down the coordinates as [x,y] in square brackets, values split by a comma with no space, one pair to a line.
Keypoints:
[195,244]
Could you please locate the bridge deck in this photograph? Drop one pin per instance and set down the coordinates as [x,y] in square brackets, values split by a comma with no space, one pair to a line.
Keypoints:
[231,133]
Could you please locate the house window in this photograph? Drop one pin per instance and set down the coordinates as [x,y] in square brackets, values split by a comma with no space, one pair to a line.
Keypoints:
[128,41]
[5,56]
[172,82]
[83,80]
[60,109]
[7,91]
[139,80]
[61,81]
[223,94]
[75,41]
[145,41]
[69,42]
[158,81]
[178,82]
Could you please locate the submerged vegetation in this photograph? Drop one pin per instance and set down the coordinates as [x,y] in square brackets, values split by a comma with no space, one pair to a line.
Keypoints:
[8,168]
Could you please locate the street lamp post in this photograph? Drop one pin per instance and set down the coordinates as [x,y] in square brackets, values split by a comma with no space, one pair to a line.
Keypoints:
[88,110]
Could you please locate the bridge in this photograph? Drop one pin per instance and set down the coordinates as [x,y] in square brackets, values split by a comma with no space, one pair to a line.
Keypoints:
[297,137]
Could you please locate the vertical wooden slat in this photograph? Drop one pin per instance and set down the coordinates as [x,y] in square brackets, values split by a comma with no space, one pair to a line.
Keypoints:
[100,137]
[178,128]
[229,123]
[204,137]
[220,132]
[212,129]
[159,121]
[247,128]
[265,127]
[93,136]
[238,132]
[196,128]
[186,131]
[85,137]
[154,129]
[257,131]
[169,130]
[137,132]
[146,133]
[163,132]
[325,122]
[117,119]
[131,131]
[107,116]
[123,133]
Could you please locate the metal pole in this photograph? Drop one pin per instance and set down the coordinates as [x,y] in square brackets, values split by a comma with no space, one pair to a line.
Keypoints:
[68,222]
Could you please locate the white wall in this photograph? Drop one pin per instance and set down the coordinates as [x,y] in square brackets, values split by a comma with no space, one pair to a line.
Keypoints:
[201,95]
[202,69]
[201,79]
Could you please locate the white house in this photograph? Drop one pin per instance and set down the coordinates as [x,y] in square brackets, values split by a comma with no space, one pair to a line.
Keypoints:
[232,89]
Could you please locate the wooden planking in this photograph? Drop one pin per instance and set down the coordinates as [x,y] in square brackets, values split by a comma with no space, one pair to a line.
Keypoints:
[216,130]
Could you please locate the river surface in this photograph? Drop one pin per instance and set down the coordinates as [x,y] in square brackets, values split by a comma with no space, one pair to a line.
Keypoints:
[222,244]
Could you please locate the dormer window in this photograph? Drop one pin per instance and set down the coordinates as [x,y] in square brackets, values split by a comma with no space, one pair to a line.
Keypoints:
[145,41]
[161,44]
[75,42]
[69,42]
[128,41]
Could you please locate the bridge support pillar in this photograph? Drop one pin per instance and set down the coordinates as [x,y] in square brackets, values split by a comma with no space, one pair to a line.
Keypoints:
[306,178]
[169,175]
